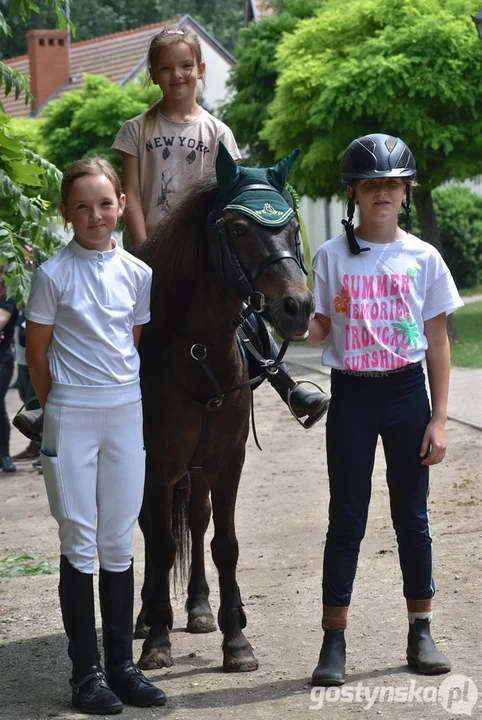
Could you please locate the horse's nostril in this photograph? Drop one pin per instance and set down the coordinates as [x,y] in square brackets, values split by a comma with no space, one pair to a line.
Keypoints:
[291,306]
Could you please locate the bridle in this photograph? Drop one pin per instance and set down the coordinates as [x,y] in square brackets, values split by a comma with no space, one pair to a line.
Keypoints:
[238,281]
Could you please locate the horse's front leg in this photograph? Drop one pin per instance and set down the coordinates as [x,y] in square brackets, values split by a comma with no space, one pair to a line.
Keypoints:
[156,650]
[238,655]
[200,617]
[141,630]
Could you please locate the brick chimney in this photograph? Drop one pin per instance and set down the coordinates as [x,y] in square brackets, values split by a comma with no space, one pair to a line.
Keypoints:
[48,56]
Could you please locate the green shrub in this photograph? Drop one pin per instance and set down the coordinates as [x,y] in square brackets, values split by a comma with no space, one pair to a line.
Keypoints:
[459,215]
[85,122]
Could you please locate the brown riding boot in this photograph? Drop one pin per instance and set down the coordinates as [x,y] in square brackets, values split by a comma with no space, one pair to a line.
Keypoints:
[331,663]
[422,653]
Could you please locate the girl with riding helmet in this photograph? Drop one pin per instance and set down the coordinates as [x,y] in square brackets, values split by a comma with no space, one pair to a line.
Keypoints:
[382,298]
[174,145]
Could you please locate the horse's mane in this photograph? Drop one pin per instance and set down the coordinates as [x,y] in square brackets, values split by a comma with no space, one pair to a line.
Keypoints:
[178,254]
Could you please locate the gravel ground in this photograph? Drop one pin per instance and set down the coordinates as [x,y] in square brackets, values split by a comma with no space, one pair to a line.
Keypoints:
[281,523]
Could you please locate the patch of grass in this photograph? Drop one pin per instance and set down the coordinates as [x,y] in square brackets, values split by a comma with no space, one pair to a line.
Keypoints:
[468,326]
[475,290]
[24,565]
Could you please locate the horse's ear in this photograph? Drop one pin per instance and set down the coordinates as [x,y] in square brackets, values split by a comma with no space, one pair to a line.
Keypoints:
[227,169]
[279,173]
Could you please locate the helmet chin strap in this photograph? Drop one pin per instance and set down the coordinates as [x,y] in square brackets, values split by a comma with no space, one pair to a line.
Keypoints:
[407,207]
[355,248]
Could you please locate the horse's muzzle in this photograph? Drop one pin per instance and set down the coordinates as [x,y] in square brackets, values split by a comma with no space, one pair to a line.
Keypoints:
[291,316]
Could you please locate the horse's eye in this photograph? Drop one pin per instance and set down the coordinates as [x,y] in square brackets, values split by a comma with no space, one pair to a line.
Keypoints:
[238,229]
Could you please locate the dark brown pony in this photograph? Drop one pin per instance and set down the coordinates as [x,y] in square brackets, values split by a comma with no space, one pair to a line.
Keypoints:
[193,316]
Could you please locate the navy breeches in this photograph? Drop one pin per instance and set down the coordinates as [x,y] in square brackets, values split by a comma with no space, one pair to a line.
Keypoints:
[396,408]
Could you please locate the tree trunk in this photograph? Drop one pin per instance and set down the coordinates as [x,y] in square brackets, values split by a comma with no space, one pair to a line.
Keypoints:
[431,233]
[427,218]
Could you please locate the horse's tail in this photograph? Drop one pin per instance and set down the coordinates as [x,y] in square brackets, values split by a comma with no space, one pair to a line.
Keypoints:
[180,531]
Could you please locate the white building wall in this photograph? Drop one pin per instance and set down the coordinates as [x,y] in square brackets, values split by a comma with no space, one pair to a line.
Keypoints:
[322,219]
[217,68]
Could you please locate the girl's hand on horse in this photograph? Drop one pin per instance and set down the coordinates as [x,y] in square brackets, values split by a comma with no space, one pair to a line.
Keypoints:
[319,329]
[434,443]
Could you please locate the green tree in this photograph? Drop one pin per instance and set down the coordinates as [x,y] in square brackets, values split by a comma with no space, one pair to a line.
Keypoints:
[91,18]
[253,78]
[26,179]
[459,217]
[85,122]
[411,68]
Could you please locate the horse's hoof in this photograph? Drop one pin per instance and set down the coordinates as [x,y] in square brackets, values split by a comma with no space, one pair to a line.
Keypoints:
[141,631]
[155,658]
[240,660]
[201,623]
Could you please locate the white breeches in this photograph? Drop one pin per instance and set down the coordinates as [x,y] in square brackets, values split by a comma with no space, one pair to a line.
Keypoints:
[93,461]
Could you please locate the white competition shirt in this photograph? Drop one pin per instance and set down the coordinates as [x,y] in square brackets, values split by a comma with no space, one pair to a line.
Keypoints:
[378,301]
[93,299]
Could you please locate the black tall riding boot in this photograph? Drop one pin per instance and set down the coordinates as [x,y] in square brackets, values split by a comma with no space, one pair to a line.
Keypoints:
[90,691]
[303,402]
[116,590]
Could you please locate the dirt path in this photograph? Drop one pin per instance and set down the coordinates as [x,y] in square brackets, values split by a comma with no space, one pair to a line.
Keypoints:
[281,522]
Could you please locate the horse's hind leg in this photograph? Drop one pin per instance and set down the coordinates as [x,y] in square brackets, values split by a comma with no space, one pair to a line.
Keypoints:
[238,655]
[200,617]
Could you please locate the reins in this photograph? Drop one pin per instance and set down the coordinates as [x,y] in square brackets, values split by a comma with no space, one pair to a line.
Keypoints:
[199,352]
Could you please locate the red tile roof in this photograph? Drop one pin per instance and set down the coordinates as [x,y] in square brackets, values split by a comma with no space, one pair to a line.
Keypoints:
[16,108]
[114,55]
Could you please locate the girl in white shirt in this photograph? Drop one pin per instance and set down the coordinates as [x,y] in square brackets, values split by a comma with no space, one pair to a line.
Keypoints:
[84,320]
[382,297]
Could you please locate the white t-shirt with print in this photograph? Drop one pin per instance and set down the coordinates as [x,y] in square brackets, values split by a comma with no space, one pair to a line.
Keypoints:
[93,299]
[379,300]
[172,157]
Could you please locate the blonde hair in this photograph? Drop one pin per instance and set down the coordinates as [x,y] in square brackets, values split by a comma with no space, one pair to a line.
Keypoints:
[91,166]
[168,36]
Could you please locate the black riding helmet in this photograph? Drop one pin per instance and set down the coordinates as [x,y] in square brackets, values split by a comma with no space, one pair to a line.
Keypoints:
[373,156]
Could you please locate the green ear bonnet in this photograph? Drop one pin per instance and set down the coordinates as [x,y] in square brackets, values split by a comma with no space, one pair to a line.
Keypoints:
[255,192]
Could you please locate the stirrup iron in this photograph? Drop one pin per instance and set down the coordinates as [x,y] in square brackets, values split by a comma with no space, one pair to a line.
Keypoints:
[306,424]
